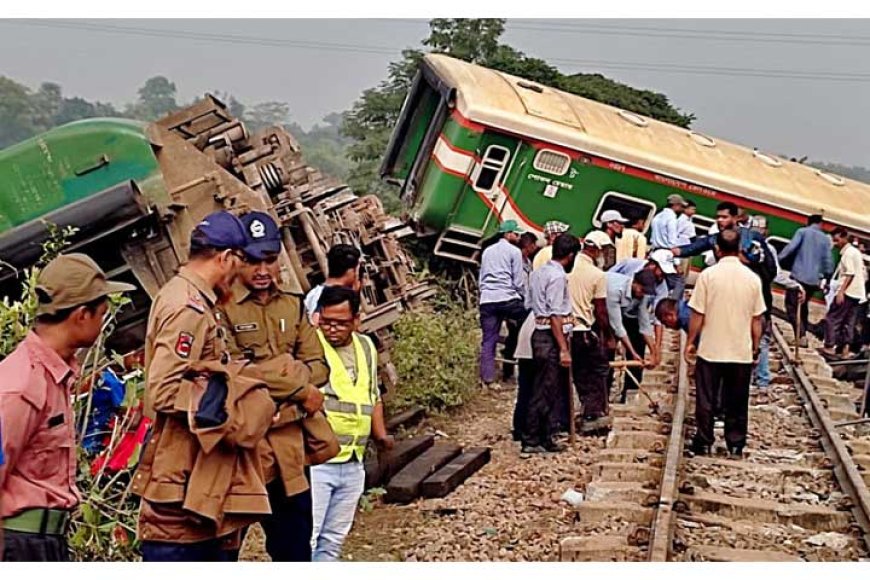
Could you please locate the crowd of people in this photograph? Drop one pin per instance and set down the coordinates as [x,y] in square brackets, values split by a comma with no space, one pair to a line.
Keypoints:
[263,402]
[572,304]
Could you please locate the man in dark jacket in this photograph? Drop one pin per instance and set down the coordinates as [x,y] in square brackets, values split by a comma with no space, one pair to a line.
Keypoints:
[755,253]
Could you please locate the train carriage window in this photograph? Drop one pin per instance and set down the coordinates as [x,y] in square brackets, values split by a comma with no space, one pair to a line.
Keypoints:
[553,162]
[702,224]
[491,168]
[777,243]
[625,204]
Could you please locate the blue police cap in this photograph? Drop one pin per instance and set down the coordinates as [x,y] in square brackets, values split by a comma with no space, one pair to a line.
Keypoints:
[220,230]
[264,236]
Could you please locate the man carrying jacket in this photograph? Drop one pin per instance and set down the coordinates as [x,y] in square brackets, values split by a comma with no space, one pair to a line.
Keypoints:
[355,411]
[199,478]
[267,325]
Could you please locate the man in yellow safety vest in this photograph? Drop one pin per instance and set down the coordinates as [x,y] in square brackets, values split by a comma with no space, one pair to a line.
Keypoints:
[354,409]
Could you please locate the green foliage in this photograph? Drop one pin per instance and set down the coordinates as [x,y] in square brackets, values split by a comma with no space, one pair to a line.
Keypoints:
[156,99]
[369,499]
[371,120]
[25,113]
[17,317]
[269,114]
[435,354]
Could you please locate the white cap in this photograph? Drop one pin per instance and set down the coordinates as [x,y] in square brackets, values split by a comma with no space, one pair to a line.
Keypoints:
[665,260]
[598,239]
[612,215]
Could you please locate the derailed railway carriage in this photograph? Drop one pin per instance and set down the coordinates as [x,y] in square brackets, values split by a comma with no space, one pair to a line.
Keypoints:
[474,147]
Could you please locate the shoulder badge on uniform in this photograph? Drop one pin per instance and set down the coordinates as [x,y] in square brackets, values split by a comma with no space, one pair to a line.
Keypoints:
[247,327]
[196,303]
[184,344]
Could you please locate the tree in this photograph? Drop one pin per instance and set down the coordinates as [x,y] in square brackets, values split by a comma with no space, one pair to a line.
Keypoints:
[370,121]
[156,99]
[16,113]
[46,104]
[268,114]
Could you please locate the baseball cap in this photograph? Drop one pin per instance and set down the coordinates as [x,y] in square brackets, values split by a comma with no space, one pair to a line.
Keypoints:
[676,198]
[71,280]
[665,260]
[220,230]
[509,227]
[598,239]
[612,215]
[553,228]
[647,280]
[264,236]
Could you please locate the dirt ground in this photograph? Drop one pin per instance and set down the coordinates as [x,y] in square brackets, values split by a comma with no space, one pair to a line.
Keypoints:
[508,511]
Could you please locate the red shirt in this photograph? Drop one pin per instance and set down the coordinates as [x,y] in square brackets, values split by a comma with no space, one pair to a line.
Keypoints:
[38,434]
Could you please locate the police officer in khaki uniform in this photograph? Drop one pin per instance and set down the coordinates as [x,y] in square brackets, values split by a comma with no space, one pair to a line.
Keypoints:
[38,482]
[183,326]
[266,322]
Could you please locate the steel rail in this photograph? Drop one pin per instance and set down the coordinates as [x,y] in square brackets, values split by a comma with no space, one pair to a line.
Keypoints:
[662,530]
[844,467]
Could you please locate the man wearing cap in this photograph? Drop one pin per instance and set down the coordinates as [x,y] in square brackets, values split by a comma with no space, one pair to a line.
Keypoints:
[38,483]
[552,229]
[629,303]
[632,244]
[665,235]
[266,324]
[587,287]
[612,224]
[183,327]
[502,294]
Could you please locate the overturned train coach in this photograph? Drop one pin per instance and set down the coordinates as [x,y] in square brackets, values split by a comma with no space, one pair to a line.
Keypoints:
[474,147]
[134,191]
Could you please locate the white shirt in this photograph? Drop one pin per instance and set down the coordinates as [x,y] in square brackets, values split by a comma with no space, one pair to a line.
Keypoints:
[664,230]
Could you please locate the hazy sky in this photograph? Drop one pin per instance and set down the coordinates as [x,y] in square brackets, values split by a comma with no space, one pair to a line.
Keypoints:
[321,66]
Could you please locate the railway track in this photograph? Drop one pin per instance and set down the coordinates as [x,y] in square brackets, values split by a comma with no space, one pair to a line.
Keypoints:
[798,494]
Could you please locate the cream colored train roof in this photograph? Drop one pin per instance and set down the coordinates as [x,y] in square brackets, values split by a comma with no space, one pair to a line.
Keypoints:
[500,100]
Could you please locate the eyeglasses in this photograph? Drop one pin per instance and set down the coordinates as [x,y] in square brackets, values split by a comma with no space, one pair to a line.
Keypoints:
[335,323]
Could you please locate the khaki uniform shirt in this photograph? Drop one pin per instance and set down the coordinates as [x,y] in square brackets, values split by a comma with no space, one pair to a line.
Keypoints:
[262,332]
[632,244]
[183,327]
[729,296]
[586,283]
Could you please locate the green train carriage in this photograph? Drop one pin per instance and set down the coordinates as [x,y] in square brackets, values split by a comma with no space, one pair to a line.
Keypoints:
[474,147]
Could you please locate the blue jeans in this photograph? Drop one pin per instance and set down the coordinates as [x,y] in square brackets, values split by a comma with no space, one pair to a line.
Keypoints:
[335,492]
[761,375]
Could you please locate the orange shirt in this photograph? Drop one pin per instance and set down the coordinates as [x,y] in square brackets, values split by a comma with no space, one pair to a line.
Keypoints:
[38,430]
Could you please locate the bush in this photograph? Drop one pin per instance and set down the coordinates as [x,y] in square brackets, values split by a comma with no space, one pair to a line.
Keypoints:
[435,354]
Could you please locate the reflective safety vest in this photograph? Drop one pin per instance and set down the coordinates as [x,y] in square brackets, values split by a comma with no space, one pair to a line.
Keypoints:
[349,406]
